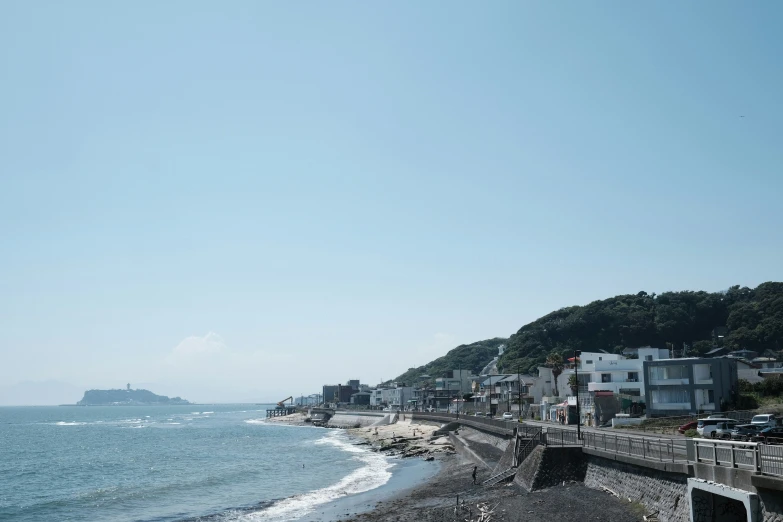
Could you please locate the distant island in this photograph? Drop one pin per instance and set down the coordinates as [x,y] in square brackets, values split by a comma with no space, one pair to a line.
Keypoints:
[127,397]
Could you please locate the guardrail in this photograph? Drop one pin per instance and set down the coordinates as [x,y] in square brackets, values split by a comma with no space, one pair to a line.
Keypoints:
[560,437]
[763,458]
[743,455]
[651,449]
[771,459]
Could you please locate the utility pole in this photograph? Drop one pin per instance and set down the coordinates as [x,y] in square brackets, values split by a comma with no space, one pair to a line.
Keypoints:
[459,395]
[519,393]
[577,353]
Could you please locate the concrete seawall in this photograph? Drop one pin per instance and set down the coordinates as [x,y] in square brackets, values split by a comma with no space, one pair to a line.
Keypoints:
[359,419]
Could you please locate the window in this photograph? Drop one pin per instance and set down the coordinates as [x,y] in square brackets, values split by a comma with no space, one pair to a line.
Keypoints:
[606,377]
[589,361]
[600,358]
[676,395]
[711,396]
[648,357]
[668,372]
[633,376]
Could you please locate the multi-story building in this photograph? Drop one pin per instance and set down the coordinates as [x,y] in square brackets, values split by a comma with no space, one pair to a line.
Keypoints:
[619,375]
[688,386]
[401,397]
[380,397]
[516,393]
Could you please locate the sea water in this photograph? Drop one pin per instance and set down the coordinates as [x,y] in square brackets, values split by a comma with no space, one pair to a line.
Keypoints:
[172,463]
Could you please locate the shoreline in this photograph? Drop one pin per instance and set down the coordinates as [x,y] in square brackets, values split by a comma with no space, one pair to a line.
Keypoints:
[418,457]
[449,493]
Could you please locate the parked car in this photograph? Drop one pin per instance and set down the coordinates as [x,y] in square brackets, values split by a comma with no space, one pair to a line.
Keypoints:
[743,432]
[706,427]
[507,416]
[478,414]
[688,426]
[769,435]
[723,430]
[765,419]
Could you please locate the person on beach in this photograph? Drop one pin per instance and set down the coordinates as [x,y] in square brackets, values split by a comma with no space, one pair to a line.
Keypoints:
[474,474]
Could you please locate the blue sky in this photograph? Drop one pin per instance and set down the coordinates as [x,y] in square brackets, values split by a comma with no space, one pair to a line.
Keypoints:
[210,198]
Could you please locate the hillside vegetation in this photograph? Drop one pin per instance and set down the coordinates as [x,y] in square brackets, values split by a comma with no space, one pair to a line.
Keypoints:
[126,397]
[467,356]
[753,319]
[686,322]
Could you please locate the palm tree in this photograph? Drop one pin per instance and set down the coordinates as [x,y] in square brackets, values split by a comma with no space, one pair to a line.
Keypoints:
[555,361]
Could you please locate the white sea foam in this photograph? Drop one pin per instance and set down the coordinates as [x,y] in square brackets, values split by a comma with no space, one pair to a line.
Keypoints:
[63,423]
[206,412]
[255,421]
[373,474]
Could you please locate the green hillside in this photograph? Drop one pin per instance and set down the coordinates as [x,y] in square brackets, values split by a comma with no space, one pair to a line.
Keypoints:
[687,321]
[746,318]
[467,356]
[126,397]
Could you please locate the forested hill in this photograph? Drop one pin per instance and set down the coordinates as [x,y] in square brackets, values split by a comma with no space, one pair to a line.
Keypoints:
[752,318]
[467,356]
[126,397]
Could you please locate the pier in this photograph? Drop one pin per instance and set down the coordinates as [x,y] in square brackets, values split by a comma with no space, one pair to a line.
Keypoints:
[279,412]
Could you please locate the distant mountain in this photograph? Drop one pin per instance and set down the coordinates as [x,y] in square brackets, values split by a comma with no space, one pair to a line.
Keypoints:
[126,397]
[39,393]
[474,357]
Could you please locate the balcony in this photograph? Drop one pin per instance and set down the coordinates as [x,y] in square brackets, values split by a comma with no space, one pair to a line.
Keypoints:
[626,365]
[614,386]
[668,382]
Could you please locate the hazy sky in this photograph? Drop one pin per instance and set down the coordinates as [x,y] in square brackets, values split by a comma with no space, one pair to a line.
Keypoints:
[245,200]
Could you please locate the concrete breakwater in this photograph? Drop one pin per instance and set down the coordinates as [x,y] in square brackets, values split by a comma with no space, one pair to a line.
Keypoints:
[347,420]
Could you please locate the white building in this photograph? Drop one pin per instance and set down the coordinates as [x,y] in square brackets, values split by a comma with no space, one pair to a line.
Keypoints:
[610,372]
[381,396]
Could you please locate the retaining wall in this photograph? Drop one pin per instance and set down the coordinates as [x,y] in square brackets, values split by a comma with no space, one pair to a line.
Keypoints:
[351,420]
[659,491]
[546,467]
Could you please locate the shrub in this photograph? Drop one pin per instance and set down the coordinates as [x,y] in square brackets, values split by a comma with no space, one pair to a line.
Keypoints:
[691,433]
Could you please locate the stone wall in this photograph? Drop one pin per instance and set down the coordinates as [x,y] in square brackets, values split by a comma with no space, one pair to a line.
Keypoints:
[526,472]
[660,492]
[507,460]
[771,505]
[546,467]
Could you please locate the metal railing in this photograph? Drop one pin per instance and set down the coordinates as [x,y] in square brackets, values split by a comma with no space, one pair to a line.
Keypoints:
[771,459]
[528,448]
[659,449]
[560,437]
[763,458]
[743,455]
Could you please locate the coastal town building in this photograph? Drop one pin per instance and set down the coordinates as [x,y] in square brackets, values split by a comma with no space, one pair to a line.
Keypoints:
[687,386]
[361,398]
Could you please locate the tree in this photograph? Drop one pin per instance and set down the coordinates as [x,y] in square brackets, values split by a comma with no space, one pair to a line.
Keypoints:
[555,361]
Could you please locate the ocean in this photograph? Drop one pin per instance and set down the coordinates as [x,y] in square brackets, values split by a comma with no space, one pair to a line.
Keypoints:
[215,463]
